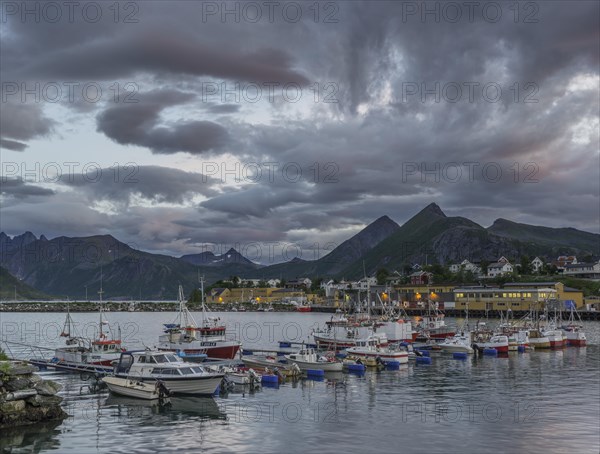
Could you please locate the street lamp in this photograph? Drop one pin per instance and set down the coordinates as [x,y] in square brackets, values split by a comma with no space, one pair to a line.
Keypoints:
[86,296]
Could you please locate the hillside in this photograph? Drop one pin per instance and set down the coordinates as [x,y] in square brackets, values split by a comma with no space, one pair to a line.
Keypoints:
[8,285]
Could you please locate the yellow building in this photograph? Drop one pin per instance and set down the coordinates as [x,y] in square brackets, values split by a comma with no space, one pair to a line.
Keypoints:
[501,299]
[254,295]
[562,293]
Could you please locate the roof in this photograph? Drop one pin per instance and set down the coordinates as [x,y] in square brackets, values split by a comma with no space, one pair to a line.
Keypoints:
[498,265]
[217,291]
[528,284]
[578,265]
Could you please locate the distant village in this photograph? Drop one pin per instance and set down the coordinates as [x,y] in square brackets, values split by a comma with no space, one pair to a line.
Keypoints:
[475,285]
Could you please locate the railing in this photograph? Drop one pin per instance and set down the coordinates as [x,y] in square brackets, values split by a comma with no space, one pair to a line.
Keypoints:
[25,352]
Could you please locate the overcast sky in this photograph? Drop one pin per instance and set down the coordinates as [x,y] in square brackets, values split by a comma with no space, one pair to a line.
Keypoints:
[176,127]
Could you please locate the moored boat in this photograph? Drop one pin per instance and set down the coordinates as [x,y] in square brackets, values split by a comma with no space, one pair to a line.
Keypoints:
[197,342]
[495,341]
[308,358]
[460,342]
[135,388]
[371,347]
[178,377]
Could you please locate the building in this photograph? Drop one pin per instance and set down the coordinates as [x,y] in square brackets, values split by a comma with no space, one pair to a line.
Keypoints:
[412,295]
[364,283]
[562,261]
[562,293]
[583,270]
[500,268]
[302,282]
[515,298]
[421,277]
[465,265]
[536,265]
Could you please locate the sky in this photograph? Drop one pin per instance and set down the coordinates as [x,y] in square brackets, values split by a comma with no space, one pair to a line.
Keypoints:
[285,128]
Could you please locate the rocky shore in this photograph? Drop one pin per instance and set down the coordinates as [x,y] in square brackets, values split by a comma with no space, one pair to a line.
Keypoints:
[25,398]
[117,306]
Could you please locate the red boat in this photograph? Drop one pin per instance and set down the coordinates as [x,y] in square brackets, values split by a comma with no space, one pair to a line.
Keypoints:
[303,308]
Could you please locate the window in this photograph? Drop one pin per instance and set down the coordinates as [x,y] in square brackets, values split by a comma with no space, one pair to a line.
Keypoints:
[501,304]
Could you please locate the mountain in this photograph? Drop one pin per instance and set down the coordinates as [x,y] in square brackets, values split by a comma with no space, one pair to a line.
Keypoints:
[210,259]
[432,237]
[65,266]
[576,239]
[8,285]
[339,258]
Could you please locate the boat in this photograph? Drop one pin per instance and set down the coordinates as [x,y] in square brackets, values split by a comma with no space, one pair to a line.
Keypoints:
[194,342]
[135,388]
[371,347]
[460,342]
[303,307]
[178,376]
[307,359]
[433,324]
[271,363]
[101,351]
[498,342]
[556,337]
[337,338]
[237,375]
[573,329]
[537,339]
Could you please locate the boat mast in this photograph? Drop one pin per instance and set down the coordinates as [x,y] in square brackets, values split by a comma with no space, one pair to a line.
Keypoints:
[100,292]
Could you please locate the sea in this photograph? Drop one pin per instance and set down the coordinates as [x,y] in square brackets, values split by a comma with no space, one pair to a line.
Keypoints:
[534,402]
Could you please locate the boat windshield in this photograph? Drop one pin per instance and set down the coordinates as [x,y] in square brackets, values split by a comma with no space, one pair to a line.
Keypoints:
[190,370]
[165,359]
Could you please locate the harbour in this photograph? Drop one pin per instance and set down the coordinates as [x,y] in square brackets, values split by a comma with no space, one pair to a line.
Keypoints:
[518,399]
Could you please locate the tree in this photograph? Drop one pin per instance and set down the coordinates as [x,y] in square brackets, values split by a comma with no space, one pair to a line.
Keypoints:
[381,275]
[525,265]
[484,266]
[315,285]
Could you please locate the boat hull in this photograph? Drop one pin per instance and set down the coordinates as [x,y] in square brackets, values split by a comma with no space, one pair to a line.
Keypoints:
[401,357]
[128,388]
[198,386]
[325,366]
[227,350]
[456,348]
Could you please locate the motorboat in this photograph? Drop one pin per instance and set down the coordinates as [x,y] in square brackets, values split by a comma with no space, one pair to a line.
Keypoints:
[271,363]
[460,342]
[237,375]
[136,388]
[371,347]
[178,376]
[537,339]
[194,342]
[498,342]
[308,358]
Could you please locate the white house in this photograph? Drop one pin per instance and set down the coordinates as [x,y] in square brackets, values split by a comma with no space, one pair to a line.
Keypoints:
[536,265]
[466,266]
[583,270]
[499,269]
[364,283]
[273,282]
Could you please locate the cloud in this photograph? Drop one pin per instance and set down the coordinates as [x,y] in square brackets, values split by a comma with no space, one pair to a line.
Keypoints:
[17,188]
[139,124]
[22,122]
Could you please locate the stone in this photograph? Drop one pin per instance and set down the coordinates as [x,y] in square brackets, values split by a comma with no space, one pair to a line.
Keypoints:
[16,384]
[48,388]
[21,369]
[38,401]
[35,379]
[14,406]
[23,394]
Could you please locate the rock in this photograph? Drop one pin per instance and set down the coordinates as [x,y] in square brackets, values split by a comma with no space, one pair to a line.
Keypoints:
[21,369]
[35,379]
[14,406]
[23,394]
[48,388]
[38,400]
[16,384]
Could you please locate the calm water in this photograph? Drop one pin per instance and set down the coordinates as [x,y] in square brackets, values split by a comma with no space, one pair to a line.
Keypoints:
[546,402]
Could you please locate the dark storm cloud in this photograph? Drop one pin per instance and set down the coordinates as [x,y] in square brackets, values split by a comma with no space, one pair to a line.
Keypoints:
[22,122]
[12,145]
[154,183]
[17,188]
[139,124]
[371,134]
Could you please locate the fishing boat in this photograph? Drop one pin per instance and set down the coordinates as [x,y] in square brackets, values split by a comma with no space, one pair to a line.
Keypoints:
[135,388]
[371,347]
[197,342]
[303,307]
[101,351]
[308,358]
[556,337]
[178,377]
[573,329]
[433,324]
[537,339]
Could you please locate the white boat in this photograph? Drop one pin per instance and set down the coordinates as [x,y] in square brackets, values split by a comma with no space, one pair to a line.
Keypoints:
[309,359]
[193,341]
[460,342]
[178,377]
[371,347]
[136,388]
[271,363]
[237,375]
